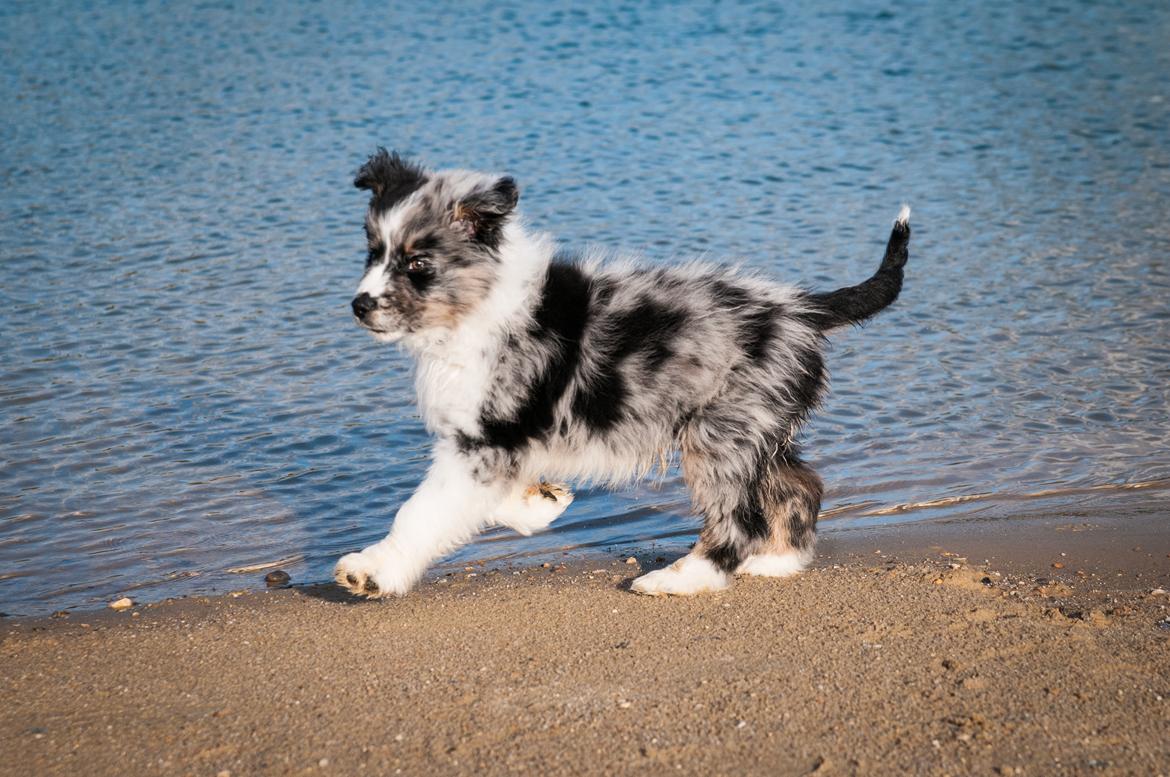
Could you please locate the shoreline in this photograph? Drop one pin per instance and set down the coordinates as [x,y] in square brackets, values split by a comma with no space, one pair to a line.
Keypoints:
[1130,542]
[931,649]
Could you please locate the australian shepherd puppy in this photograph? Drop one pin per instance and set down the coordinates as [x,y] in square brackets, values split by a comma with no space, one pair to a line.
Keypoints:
[536,365]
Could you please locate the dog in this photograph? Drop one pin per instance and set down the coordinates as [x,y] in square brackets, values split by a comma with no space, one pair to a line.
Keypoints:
[536,365]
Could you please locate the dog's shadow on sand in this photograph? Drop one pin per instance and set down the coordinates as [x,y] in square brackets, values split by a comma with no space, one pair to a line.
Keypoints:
[332,593]
[328,591]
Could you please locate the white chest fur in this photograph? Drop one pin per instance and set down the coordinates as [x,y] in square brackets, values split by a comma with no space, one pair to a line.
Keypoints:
[453,377]
[452,384]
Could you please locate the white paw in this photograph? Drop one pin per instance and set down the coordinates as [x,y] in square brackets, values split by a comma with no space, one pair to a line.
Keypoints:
[535,508]
[356,573]
[776,564]
[689,575]
[367,574]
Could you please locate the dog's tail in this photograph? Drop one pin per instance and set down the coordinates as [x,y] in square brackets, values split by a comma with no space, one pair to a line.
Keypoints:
[854,304]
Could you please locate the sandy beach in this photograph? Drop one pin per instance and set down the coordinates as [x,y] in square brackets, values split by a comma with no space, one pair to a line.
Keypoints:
[898,653]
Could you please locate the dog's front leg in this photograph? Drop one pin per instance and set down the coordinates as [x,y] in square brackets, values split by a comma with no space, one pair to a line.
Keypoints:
[450,507]
[530,508]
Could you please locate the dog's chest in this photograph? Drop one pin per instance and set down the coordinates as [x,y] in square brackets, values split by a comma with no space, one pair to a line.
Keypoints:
[453,386]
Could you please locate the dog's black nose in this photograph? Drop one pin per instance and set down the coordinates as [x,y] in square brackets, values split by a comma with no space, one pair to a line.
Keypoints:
[362,304]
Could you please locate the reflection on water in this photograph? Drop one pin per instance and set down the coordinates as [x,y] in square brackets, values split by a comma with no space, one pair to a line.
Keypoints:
[183,392]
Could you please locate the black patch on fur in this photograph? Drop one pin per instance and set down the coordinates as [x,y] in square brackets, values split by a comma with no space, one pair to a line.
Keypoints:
[376,252]
[598,403]
[390,178]
[648,329]
[728,297]
[758,330]
[726,557]
[757,319]
[428,241]
[806,388]
[560,320]
[749,513]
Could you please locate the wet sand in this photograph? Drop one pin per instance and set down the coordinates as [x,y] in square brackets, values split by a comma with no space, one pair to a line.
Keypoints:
[947,649]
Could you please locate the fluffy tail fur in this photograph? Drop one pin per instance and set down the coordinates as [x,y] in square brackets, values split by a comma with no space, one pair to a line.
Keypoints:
[854,304]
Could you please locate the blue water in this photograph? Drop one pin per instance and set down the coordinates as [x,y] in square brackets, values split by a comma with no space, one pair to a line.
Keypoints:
[183,392]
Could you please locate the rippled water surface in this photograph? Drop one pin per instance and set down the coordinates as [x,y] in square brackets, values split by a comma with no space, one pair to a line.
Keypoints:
[184,393]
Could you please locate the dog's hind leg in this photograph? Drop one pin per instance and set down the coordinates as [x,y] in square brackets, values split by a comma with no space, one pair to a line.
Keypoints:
[759,504]
[720,460]
[790,495]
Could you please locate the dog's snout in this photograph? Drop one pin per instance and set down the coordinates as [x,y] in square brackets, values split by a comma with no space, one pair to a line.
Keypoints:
[363,304]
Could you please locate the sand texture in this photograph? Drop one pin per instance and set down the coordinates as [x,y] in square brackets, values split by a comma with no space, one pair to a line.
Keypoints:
[864,665]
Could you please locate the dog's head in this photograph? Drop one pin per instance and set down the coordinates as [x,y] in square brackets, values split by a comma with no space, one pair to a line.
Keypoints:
[433,240]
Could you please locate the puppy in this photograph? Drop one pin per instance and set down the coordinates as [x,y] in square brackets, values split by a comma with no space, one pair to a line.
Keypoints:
[535,364]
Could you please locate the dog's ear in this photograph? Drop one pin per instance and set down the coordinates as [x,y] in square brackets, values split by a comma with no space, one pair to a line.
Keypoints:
[389,177]
[481,214]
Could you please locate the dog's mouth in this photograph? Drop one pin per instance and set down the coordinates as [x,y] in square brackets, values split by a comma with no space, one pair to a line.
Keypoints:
[370,327]
[384,335]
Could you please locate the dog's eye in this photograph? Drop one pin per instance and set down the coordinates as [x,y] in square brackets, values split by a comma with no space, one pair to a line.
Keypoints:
[417,265]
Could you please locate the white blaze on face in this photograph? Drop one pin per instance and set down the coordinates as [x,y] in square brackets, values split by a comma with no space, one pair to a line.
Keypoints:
[387,226]
[374,281]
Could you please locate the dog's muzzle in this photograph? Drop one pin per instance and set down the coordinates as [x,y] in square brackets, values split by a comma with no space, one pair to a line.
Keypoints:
[363,304]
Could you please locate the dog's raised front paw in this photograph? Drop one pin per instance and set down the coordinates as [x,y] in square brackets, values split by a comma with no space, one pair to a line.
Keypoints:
[535,508]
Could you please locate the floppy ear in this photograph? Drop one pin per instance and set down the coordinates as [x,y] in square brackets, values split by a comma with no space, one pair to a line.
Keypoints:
[389,177]
[481,214]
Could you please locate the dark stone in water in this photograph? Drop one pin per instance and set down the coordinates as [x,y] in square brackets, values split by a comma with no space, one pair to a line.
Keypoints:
[277,577]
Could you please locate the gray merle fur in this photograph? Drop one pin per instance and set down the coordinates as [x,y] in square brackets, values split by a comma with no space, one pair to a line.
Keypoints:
[535,364]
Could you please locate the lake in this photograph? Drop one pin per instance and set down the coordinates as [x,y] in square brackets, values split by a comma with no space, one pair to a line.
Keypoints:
[183,391]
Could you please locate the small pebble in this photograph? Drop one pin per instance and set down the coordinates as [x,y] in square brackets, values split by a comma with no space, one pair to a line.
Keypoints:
[277,577]
[125,603]
[631,560]
[1058,565]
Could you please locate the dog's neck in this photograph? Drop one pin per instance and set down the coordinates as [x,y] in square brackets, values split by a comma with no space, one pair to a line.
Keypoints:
[454,365]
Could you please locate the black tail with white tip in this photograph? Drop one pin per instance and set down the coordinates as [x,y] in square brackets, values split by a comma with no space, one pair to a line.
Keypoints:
[854,304]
